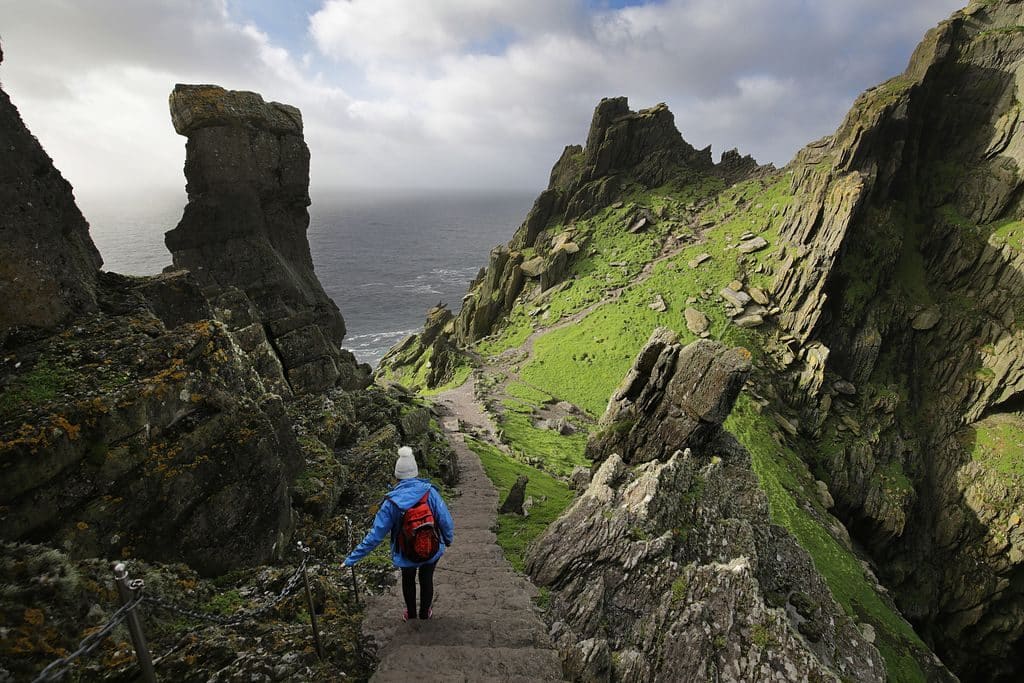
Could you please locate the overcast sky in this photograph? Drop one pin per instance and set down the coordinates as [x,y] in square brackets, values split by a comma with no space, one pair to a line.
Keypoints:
[443,93]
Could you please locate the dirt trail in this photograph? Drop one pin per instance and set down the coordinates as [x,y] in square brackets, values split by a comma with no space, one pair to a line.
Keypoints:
[485,627]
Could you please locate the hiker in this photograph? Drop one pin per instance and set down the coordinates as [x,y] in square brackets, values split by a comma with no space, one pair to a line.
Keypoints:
[421,528]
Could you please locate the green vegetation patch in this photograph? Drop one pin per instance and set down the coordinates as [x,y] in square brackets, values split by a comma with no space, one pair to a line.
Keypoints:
[39,386]
[560,454]
[584,362]
[551,498]
[785,479]
[998,443]
[459,377]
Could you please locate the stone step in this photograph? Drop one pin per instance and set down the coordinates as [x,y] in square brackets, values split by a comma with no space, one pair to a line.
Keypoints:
[510,629]
[423,662]
[485,626]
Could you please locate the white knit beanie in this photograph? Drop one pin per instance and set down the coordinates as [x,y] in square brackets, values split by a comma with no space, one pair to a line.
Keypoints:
[405,467]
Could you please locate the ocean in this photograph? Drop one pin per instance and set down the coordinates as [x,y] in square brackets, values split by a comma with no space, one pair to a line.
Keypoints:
[384,257]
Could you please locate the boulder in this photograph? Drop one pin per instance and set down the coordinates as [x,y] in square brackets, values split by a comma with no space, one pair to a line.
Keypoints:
[580,478]
[927,319]
[748,320]
[845,388]
[699,259]
[534,267]
[639,225]
[516,496]
[671,395]
[696,321]
[750,246]
[758,295]
[739,299]
[658,304]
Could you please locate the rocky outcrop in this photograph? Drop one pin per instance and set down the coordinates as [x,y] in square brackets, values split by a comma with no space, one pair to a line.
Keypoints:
[125,437]
[667,567]
[900,275]
[658,406]
[48,263]
[622,146]
[425,359]
[625,150]
[247,167]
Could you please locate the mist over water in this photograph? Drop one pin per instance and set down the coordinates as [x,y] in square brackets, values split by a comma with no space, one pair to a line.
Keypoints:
[384,257]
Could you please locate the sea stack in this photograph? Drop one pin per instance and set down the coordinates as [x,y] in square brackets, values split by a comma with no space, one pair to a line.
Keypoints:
[247,172]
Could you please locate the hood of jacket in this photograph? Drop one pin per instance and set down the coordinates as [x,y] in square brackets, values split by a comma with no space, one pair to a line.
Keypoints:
[408,492]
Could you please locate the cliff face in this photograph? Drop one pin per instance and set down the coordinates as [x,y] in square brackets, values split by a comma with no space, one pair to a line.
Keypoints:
[903,267]
[128,437]
[247,167]
[48,263]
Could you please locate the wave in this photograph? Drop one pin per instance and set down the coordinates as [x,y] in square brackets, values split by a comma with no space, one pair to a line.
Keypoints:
[419,288]
[375,338]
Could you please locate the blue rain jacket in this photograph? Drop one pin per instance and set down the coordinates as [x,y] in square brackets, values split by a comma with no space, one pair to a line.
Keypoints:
[400,498]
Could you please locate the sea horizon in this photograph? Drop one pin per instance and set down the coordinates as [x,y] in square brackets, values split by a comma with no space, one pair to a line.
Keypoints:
[385,256]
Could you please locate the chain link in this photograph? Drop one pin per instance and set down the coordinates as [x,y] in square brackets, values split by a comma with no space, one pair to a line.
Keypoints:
[56,670]
[290,587]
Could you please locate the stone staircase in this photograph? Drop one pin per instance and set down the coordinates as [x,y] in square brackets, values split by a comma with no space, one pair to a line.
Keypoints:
[485,627]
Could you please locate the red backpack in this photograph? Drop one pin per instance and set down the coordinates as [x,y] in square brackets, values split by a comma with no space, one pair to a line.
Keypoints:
[418,538]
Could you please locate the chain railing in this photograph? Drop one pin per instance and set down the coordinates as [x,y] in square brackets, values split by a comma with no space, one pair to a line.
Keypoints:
[132,594]
[239,617]
[56,670]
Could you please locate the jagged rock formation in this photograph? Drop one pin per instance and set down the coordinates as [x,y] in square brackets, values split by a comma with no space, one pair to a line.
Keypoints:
[247,167]
[622,147]
[48,263]
[657,407]
[667,567]
[900,283]
[625,150]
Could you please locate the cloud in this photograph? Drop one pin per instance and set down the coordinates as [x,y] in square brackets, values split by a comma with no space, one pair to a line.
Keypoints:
[374,31]
[451,93]
[764,77]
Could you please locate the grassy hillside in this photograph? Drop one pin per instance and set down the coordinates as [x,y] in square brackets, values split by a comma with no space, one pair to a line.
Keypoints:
[593,326]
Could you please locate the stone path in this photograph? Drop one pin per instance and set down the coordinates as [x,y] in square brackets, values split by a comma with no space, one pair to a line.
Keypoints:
[485,627]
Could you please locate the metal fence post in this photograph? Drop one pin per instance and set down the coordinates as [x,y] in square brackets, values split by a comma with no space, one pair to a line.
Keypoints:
[355,584]
[126,593]
[309,600]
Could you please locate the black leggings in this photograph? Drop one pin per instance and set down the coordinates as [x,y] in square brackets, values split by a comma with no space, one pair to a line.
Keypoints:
[426,589]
